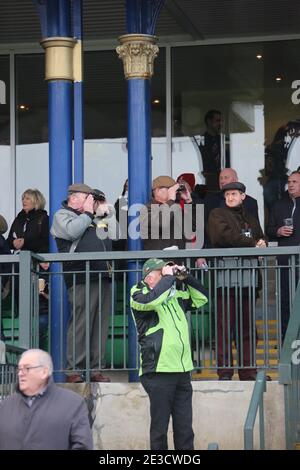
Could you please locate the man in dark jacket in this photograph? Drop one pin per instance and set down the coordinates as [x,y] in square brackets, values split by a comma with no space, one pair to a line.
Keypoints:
[77,230]
[159,304]
[161,220]
[284,227]
[40,415]
[233,227]
[212,201]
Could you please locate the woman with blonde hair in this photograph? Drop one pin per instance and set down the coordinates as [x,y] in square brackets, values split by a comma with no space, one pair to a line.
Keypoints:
[30,229]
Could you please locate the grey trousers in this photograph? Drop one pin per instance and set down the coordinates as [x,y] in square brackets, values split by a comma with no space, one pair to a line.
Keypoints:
[99,313]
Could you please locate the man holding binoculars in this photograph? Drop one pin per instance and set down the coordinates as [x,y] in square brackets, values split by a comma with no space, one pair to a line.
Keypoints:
[159,304]
[86,223]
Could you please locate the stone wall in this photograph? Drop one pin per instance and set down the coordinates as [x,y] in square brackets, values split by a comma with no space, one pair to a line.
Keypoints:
[121,414]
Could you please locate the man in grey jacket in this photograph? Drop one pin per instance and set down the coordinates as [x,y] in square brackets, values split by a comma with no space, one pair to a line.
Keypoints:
[86,223]
[40,415]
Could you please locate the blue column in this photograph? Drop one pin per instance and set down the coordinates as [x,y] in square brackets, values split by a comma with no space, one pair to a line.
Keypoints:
[78,100]
[60,172]
[141,16]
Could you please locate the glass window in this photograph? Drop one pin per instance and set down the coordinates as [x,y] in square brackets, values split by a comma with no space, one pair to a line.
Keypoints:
[32,167]
[105,116]
[232,106]
[5,161]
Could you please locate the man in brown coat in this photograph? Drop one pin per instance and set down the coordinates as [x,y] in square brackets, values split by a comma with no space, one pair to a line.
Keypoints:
[233,227]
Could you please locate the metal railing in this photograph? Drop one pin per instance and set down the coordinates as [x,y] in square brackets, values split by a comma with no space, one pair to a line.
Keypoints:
[256,403]
[8,369]
[289,375]
[217,338]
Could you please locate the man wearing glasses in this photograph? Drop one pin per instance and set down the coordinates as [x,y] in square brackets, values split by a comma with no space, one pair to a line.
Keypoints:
[40,415]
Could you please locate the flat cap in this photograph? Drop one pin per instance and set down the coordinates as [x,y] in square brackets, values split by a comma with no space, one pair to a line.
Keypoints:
[163,182]
[79,188]
[3,225]
[152,264]
[231,186]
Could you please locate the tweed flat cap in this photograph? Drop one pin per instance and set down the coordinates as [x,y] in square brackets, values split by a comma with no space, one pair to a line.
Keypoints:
[163,182]
[79,188]
[231,186]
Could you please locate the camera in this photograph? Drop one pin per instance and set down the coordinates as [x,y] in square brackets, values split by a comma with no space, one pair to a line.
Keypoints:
[180,274]
[181,188]
[98,195]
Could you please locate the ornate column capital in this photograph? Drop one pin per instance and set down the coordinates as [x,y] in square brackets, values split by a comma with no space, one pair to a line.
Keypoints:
[138,52]
[59,58]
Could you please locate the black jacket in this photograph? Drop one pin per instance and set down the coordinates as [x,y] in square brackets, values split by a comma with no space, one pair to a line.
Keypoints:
[213,201]
[34,228]
[283,209]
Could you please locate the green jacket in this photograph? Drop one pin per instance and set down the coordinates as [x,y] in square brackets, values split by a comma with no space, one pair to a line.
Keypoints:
[159,315]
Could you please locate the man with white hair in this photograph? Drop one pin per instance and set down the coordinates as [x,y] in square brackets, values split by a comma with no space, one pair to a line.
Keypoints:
[40,415]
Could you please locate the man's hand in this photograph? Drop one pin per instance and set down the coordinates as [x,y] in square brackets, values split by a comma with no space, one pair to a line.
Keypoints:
[284,231]
[261,243]
[201,263]
[88,205]
[18,243]
[186,195]
[102,209]
[172,192]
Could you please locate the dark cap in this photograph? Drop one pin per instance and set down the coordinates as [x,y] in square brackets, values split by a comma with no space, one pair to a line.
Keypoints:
[237,185]
[79,188]
[3,225]
[98,195]
[152,264]
[163,182]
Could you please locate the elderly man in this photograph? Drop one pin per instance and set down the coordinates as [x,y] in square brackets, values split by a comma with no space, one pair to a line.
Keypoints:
[76,230]
[284,227]
[40,415]
[159,304]
[232,227]
[164,225]
[212,201]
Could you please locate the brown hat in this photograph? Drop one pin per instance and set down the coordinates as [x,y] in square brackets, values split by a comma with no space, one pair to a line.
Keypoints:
[163,182]
[79,188]
[3,224]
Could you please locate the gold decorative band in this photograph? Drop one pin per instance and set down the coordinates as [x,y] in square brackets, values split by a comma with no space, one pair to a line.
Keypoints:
[77,61]
[138,52]
[59,58]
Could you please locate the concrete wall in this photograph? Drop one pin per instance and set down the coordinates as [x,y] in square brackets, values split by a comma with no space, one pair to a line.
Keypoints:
[121,415]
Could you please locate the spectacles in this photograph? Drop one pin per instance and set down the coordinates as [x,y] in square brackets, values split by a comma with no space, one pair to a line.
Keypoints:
[26,369]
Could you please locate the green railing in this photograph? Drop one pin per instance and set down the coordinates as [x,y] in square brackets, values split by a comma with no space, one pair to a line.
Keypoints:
[256,404]
[225,267]
[8,368]
[289,375]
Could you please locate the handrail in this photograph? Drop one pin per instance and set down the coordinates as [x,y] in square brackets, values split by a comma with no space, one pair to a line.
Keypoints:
[138,255]
[289,374]
[255,404]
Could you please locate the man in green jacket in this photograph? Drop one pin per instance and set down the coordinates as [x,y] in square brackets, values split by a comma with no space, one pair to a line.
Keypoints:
[159,304]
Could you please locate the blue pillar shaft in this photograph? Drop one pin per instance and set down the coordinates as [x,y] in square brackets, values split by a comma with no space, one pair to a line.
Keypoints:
[60,171]
[139,177]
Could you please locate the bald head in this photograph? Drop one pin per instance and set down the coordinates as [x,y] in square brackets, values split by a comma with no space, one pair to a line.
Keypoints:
[226,176]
